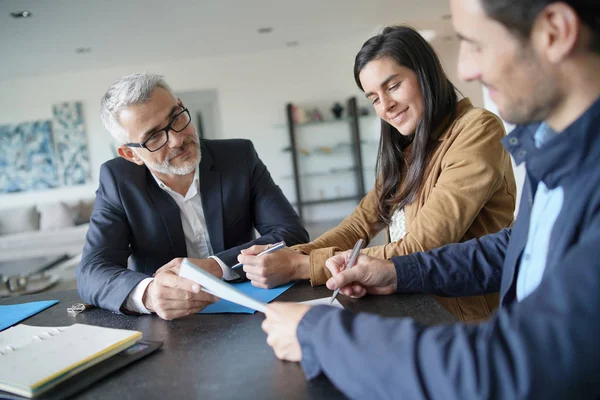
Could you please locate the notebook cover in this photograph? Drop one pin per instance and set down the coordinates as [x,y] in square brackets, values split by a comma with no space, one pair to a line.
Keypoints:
[89,376]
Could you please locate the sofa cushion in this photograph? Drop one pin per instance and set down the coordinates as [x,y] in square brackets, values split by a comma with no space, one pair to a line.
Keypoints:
[85,211]
[19,219]
[54,216]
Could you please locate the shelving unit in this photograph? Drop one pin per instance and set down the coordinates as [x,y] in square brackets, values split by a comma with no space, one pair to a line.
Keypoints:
[354,142]
[333,171]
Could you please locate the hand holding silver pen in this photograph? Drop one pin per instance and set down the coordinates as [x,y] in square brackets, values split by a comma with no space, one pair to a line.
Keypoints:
[272,248]
[353,256]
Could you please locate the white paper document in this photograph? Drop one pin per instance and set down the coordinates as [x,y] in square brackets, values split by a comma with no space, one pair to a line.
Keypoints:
[324,301]
[213,285]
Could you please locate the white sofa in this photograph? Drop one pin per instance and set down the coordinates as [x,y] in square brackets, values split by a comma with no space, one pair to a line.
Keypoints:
[43,230]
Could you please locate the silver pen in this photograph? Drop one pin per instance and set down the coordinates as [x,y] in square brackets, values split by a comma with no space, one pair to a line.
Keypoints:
[271,249]
[353,256]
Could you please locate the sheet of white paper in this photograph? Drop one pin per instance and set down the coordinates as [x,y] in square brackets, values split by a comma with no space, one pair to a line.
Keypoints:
[217,287]
[323,301]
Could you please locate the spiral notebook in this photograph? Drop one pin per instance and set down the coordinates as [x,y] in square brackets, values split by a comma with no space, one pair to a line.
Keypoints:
[35,359]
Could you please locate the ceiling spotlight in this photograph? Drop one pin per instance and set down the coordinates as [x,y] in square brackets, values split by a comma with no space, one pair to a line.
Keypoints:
[447,16]
[292,44]
[83,50]
[265,30]
[21,14]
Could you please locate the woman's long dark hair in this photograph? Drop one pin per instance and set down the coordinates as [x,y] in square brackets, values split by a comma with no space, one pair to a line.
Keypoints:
[398,182]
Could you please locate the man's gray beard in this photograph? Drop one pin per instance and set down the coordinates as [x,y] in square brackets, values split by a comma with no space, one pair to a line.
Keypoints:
[166,168]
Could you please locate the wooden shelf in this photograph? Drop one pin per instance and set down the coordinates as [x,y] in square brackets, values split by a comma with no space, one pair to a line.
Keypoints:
[353,146]
[327,121]
[331,200]
[349,170]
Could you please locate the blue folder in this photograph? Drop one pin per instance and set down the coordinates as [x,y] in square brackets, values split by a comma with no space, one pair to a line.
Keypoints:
[263,295]
[15,313]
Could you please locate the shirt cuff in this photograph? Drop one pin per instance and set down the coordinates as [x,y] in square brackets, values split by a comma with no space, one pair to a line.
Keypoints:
[408,274]
[134,301]
[228,273]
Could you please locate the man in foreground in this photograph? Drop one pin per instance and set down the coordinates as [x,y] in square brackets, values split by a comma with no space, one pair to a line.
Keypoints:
[540,60]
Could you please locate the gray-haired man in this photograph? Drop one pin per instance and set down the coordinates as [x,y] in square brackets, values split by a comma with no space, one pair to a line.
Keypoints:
[168,196]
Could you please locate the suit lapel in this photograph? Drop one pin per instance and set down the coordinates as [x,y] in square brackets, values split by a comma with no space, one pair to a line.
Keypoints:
[170,214]
[212,200]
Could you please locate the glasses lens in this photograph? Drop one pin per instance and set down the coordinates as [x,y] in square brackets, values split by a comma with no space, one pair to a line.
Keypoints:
[180,122]
[156,141]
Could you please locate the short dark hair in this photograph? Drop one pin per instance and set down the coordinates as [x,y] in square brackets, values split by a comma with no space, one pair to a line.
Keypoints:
[399,182]
[518,15]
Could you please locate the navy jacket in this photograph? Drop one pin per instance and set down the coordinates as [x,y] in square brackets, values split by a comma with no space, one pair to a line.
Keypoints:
[546,346]
[133,217]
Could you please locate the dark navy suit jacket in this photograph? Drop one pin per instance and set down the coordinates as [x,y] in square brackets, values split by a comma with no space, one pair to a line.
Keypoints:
[134,219]
[545,346]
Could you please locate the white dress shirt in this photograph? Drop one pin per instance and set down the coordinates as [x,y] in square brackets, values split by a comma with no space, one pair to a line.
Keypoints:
[197,240]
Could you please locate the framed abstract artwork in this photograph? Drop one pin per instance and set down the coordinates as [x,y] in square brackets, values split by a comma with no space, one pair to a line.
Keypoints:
[70,142]
[45,154]
[27,160]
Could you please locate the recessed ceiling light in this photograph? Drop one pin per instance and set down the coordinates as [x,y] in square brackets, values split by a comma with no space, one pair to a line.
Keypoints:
[21,14]
[265,30]
[292,43]
[83,50]
[447,16]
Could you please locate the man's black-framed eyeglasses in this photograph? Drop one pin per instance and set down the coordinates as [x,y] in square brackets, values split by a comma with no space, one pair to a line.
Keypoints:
[158,139]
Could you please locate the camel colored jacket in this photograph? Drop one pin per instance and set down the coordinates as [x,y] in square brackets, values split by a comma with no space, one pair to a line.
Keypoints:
[469,191]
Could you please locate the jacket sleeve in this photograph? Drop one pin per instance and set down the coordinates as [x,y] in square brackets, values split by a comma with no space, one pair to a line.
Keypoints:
[545,346]
[102,275]
[473,169]
[363,223]
[460,269]
[274,217]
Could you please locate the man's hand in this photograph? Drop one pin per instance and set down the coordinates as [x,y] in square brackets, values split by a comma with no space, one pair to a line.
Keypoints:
[369,275]
[207,264]
[171,296]
[276,268]
[281,325]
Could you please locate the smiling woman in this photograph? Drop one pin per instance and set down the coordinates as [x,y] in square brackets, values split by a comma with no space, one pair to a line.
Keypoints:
[402,76]
[442,174]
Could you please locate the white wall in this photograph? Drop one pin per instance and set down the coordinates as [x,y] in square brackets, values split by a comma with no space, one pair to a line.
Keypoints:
[447,49]
[252,91]
[518,170]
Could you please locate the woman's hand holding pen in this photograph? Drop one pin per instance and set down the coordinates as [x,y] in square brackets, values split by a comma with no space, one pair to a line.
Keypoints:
[273,269]
[369,275]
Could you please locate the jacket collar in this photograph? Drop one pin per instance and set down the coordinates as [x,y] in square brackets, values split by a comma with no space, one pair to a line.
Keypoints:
[170,215]
[577,145]
[212,198]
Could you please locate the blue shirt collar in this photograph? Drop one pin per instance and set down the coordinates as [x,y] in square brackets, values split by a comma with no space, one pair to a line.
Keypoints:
[543,135]
[558,154]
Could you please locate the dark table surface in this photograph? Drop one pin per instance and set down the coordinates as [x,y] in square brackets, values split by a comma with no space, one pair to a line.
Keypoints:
[218,356]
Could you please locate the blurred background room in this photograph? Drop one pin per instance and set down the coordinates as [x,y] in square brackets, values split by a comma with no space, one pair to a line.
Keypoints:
[276,72]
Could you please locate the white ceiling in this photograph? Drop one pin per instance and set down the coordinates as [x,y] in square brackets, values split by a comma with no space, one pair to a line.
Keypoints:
[140,31]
